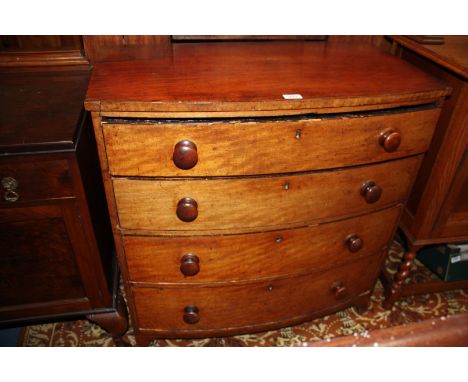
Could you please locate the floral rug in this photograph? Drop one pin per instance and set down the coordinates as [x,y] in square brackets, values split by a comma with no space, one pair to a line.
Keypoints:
[346,322]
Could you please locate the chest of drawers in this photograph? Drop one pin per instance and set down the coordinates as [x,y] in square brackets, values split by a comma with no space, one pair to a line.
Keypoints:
[236,209]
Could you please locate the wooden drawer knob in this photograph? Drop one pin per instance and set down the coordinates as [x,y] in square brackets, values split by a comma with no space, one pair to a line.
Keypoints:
[390,140]
[187,209]
[189,265]
[371,192]
[185,155]
[191,315]
[353,242]
[339,290]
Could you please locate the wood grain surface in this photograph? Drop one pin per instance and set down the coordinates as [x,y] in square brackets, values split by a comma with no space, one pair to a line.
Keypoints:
[54,263]
[441,178]
[41,111]
[437,210]
[226,148]
[451,55]
[251,304]
[260,202]
[229,226]
[226,258]
[46,179]
[255,76]
[36,245]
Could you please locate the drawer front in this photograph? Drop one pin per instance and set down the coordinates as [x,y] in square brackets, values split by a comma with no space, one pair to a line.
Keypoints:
[225,258]
[249,148]
[254,203]
[31,181]
[218,307]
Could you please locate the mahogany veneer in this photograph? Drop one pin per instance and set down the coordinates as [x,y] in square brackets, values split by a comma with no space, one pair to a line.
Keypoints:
[56,258]
[237,210]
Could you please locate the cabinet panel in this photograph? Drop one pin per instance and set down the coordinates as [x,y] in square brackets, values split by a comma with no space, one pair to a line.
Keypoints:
[454,217]
[37,263]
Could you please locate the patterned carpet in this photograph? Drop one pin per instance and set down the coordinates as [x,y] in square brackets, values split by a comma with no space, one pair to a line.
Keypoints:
[346,322]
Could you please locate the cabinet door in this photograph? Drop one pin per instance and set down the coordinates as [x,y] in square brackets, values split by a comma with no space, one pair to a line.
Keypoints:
[39,273]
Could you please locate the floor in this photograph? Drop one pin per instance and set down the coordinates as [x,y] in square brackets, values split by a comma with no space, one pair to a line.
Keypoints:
[343,323]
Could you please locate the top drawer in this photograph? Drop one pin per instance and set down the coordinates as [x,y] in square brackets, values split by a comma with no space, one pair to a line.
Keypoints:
[247,147]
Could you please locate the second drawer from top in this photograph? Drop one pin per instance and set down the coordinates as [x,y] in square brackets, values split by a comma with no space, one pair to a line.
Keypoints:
[259,203]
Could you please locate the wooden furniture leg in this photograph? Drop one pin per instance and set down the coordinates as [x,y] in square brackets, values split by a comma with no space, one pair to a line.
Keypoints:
[393,291]
[116,323]
[143,340]
[362,303]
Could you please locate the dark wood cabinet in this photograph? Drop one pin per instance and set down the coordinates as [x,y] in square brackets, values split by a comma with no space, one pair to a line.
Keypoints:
[437,210]
[56,257]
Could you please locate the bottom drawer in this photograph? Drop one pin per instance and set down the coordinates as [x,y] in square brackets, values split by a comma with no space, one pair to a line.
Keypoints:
[176,309]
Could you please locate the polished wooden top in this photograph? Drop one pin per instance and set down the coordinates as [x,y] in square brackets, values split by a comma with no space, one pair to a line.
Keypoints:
[254,76]
[452,54]
[40,110]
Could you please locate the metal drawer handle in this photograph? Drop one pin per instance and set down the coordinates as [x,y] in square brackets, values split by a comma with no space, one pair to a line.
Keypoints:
[10,185]
[11,196]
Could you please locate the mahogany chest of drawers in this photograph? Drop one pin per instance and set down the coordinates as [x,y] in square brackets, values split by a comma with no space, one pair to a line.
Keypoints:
[56,248]
[256,185]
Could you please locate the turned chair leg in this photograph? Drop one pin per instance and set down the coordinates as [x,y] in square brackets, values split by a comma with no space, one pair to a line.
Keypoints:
[116,323]
[394,292]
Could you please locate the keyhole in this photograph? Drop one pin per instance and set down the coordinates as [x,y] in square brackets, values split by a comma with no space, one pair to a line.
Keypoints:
[298,134]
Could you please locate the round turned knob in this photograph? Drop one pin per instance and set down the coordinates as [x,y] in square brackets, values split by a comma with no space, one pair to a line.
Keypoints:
[390,140]
[371,192]
[338,289]
[185,155]
[187,209]
[191,315]
[353,242]
[189,265]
